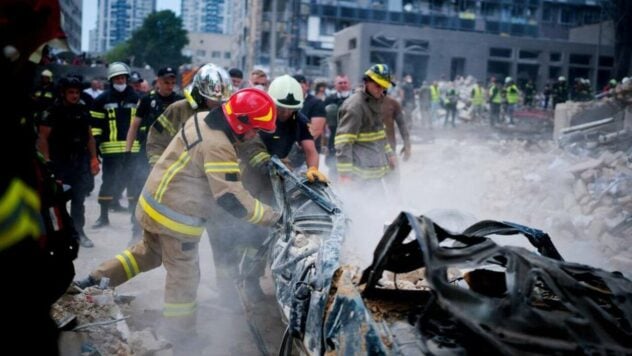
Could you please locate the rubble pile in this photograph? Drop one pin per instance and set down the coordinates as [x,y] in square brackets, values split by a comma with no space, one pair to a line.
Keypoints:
[571,197]
[96,325]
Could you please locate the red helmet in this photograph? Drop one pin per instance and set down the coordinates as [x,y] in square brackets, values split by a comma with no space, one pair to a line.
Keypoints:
[250,108]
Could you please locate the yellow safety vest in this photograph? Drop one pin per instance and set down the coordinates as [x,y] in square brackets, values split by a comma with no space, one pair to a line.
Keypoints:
[512,94]
[478,98]
[434,94]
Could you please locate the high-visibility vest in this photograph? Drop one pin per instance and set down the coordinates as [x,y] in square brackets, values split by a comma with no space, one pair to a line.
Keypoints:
[478,98]
[494,94]
[512,94]
[434,94]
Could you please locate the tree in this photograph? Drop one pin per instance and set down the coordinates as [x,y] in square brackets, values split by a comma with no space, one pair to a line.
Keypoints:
[159,41]
[120,53]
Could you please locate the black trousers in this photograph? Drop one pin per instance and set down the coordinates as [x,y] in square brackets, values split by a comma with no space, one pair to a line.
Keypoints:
[76,173]
[115,178]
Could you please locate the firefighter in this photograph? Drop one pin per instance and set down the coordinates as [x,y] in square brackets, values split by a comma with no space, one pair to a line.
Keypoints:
[529,93]
[149,108]
[66,142]
[44,94]
[112,114]
[196,176]
[560,91]
[512,97]
[450,101]
[211,85]
[392,114]
[362,151]
[495,101]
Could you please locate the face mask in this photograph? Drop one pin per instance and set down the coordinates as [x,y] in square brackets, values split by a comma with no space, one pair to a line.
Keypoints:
[344,94]
[259,86]
[119,87]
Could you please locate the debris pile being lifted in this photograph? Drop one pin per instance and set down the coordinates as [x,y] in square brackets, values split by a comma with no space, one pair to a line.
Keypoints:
[432,291]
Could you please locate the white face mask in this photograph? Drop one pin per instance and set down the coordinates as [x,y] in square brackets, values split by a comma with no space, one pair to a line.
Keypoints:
[344,94]
[119,87]
[259,86]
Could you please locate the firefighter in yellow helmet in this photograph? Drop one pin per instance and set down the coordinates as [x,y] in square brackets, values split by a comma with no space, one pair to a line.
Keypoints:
[197,175]
[362,151]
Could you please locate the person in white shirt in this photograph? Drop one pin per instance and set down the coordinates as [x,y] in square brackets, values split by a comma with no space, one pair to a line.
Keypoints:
[95,89]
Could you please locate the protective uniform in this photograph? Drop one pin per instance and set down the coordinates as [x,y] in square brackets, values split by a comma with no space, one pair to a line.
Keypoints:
[560,91]
[210,82]
[391,115]
[69,153]
[513,96]
[196,176]
[478,100]
[44,95]
[495,100]
[112,114]
[361,147]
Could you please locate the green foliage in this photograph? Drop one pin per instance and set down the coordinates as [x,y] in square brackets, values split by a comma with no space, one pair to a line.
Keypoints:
[159,41]
[118,53]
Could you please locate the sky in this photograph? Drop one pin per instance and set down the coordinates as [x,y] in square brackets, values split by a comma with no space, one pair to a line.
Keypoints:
[89,20]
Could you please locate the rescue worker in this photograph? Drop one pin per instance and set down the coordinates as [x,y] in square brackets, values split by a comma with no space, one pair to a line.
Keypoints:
[44,93]
[362,151]
[407,97]
[495,101]
[35,263]
[136,82]
[197,175]
[529,93]
[332,105]
[112,114]
[560,91]
[512,96]
[435,102]
[66,142]
[477,98]
[149,108]
[392,114]
[313,110]
[451,101]
[211,85]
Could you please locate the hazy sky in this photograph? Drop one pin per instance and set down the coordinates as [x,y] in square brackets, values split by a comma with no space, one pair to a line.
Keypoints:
[89,20]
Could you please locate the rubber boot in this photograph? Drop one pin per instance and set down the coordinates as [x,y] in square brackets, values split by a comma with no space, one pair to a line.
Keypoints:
[103,219]
[116,207]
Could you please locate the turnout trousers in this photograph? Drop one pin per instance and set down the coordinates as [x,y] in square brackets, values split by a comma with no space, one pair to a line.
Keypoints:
[181,260]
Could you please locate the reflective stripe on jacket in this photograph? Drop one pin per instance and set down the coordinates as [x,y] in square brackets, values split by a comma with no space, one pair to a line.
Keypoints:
[112,114]
[19,214]
[197,174]
[166,126]
[361,146]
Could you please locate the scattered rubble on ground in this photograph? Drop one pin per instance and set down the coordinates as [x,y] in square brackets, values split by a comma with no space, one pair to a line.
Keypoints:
[99,326]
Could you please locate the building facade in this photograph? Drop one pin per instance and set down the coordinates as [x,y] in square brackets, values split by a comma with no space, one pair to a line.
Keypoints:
[433,54]
[210,16]
[71,11]
[117,19]
[304,31]
[209,47]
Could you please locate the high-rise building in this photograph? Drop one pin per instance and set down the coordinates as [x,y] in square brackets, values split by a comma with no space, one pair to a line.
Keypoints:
[117,19]
[71,22]
[209,16]
[304,29]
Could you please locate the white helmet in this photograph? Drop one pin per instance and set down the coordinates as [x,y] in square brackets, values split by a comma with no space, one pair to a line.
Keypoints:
[213,82]
[117,68]
[508,80]
[561,79]
[286,92]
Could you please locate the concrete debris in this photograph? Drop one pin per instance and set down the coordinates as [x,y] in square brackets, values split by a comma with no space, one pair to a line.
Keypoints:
[96,326]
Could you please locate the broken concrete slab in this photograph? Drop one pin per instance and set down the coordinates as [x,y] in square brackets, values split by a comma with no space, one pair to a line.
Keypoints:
[590,163]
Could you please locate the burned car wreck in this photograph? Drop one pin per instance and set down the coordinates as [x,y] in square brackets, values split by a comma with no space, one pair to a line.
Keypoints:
[432,291]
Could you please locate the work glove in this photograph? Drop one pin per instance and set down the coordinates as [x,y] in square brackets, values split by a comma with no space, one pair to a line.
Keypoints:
[314,175]
[405,152]
[95,167]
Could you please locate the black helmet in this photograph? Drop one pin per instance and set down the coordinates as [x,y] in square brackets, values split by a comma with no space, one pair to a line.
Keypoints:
[381,74]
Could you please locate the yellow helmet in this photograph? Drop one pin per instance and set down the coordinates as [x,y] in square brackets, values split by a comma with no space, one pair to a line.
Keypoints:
[381,74]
